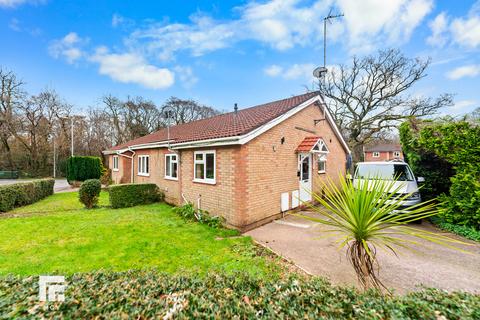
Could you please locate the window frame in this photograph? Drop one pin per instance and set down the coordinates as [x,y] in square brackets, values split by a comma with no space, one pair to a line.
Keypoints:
[170,155]
[204,162]
[375,154]
[115,160]
[396,154]
[143,172]
[322,158]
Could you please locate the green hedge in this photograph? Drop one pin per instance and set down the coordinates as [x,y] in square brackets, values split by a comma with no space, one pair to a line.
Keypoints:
[129,195]
[84,168]
[150,295]
[23,193]
[451,149]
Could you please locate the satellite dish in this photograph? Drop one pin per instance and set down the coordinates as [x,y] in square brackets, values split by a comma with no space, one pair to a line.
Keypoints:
[319,72]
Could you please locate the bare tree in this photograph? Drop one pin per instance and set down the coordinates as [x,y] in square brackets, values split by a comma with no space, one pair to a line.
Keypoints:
[183,111]
[371,95]
[11,94]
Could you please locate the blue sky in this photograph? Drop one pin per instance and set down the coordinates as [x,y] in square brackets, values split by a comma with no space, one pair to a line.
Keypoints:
[222,52]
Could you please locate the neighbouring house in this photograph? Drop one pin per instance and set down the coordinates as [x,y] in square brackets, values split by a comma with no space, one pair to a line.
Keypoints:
[249,166]
[383,152]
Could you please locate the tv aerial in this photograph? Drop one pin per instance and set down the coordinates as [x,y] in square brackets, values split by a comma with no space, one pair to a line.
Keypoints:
[320,72]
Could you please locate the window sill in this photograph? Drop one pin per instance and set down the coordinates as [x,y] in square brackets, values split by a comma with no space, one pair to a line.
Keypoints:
[322,171]
[211,182]
[143,174]
[170,178]
[116,170]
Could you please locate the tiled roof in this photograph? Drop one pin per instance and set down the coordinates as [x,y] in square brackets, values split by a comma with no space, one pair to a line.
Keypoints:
[384,147]
[307,144]
[225,125]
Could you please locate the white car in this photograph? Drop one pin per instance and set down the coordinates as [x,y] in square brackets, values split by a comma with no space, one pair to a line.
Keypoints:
[405,183]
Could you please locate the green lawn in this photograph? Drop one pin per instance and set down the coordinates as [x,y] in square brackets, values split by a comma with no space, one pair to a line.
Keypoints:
[56,235]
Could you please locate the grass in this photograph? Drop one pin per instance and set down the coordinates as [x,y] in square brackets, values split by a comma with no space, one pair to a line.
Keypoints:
[57,236]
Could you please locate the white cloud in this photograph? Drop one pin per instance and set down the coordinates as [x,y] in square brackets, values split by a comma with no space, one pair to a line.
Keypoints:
[117,20]
[294,72]
[463,104]
[439,28]
[285,24]
[186,76]
[68,48]
[470,71]
[132,68]
[273,70]
[372,21]
[464,31]
[16,3]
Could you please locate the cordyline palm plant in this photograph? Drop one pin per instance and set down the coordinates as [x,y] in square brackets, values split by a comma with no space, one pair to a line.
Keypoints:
[366,216]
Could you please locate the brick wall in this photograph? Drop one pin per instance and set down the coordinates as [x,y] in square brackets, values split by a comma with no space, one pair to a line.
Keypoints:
[383,156]
[218,199]
[271,167]
[123,175]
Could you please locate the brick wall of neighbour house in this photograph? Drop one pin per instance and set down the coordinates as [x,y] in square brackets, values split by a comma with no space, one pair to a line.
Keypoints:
[383,156]
[271,167]
[217,199]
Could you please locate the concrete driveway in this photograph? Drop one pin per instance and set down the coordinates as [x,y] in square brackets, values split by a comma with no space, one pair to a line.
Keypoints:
[432,265]
[61,185]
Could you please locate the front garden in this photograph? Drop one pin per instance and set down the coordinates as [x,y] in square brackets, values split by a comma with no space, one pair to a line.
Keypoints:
[58,235]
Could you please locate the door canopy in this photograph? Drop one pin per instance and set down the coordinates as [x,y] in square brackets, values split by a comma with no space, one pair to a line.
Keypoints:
[313,145]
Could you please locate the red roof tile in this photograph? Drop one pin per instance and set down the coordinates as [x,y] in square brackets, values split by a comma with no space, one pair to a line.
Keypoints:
[224,125]
[307,144]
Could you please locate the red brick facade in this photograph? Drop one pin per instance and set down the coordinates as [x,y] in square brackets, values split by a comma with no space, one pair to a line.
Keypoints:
[382,155]
[251,177]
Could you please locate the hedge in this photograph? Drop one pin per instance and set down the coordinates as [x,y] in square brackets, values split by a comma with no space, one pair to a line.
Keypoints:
[150,295]
[23,193]
[452,148]
[129,195]
[84,168]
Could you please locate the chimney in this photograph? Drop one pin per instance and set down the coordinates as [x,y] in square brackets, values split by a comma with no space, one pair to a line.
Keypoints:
[235,108]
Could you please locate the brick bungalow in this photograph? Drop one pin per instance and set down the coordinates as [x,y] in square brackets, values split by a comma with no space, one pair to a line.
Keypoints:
[248,166]
[383,152]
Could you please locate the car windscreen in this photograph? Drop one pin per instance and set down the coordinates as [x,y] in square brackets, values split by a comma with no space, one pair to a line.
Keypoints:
[388,171]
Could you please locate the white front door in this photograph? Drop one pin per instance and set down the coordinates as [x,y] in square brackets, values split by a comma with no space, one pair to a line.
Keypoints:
[305,169]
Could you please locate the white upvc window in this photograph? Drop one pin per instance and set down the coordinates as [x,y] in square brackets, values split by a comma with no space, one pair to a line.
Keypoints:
[115,163]
[204,166]
[322,163]
[396,154]
[376,154]
[143,165]
[171,166]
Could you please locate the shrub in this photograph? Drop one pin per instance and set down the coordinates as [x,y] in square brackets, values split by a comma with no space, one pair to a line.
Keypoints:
[188,212]
[89,192]
[149,295]
[106,178]
[129,195]
[451,144]
[84,168]
[23,193]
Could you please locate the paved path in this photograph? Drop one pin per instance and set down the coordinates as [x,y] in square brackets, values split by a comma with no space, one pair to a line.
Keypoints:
[61,185]
[432,265]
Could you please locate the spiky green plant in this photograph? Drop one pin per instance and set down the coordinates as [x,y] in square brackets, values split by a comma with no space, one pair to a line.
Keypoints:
[366,216]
